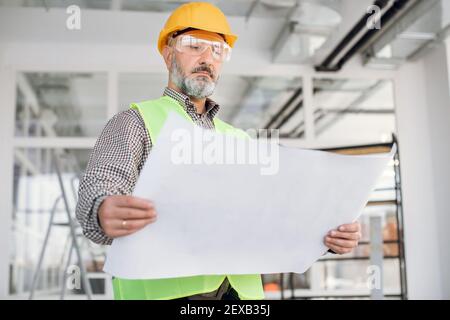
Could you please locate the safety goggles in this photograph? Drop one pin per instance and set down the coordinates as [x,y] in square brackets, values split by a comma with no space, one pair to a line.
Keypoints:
[195,46]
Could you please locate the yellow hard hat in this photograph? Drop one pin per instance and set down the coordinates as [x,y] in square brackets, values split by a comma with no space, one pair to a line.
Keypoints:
[197,15]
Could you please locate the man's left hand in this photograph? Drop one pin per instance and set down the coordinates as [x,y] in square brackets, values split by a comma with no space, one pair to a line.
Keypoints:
[344,239]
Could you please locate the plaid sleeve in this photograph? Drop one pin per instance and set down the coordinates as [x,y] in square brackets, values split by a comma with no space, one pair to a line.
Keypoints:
[113,168]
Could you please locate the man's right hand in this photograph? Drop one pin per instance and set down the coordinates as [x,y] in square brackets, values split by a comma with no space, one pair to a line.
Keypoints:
[122,215]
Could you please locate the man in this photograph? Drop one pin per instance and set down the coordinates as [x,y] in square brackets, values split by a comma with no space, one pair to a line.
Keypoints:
[194,43]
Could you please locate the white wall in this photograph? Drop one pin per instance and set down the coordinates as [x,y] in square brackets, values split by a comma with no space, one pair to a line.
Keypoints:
[423,120]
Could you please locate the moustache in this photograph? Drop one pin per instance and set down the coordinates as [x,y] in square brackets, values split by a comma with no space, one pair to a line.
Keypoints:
[204,69]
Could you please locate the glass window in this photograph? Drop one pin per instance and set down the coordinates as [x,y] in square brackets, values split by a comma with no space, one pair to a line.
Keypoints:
[61,104]
[37,193]
[136,87]
[353,111]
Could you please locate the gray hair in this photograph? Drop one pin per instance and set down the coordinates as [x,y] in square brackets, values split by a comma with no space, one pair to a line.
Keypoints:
[199,87]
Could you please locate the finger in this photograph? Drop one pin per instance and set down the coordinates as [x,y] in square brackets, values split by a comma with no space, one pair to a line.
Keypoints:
[132,224]
[139,226]
[338,250]
[350,227]
[131,214]
[133,202]
[121,233]
[119,229]
[341,242]
[345,235]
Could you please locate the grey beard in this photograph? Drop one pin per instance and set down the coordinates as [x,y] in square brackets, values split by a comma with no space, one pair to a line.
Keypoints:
[197,87]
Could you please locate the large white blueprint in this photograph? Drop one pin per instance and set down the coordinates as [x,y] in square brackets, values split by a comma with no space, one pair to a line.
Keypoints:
[231,219]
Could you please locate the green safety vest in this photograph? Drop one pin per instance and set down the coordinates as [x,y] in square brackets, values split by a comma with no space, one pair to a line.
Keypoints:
[154,113]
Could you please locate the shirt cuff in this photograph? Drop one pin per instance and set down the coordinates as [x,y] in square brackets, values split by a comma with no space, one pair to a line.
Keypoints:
[94,212]
[95,219]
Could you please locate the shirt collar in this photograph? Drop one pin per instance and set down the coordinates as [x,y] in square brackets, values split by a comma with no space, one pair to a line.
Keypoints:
[211,106]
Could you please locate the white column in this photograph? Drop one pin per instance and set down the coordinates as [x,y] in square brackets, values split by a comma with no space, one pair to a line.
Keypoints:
[113,94]
[447,44]
[7,107]
[438,105]
[423,122]
[308,103]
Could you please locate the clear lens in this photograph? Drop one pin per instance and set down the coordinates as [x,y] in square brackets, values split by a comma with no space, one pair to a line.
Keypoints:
[221,51]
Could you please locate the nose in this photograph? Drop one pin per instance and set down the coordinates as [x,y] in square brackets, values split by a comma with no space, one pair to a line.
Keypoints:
[207,56]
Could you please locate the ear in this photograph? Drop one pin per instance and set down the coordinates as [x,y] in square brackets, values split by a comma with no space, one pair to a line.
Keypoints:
[167,53]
